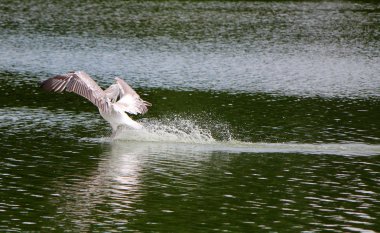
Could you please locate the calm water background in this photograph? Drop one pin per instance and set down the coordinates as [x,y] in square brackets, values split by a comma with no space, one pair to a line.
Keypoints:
[265,117]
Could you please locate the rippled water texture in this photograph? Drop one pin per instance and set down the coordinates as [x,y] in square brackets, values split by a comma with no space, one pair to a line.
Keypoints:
[265,117]
[307,48]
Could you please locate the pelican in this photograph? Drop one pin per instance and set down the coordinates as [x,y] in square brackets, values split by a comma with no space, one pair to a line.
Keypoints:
[113,103]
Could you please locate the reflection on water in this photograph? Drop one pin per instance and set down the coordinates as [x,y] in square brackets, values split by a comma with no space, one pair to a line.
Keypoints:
[112,188]
[117,185]
[144,185]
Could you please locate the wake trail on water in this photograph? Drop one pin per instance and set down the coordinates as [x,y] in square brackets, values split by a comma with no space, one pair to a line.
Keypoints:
[215,136]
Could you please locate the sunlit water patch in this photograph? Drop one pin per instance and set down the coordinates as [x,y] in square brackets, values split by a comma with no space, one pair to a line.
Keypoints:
[307,49]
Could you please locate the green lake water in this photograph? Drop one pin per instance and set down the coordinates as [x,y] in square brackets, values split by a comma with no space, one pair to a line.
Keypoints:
[265,117]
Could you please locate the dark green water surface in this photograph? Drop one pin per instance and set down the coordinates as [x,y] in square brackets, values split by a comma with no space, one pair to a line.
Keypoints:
[265,117]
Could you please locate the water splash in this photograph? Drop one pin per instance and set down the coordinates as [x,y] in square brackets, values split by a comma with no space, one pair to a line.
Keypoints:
[211,136]
[176,129]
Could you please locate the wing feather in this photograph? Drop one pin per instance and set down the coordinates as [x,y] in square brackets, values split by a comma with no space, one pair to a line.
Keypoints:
[130,101]
[80,83]
[113,92]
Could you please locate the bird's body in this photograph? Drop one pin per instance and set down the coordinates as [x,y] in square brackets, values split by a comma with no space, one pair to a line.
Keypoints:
[117,117]
[113,103]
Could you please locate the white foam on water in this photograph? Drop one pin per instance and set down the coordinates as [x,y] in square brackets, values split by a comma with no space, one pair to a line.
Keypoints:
[236,147]
[167,130]
[181,133]
[343,149]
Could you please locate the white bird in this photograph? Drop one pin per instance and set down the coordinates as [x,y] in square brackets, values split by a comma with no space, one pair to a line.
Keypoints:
[113,103]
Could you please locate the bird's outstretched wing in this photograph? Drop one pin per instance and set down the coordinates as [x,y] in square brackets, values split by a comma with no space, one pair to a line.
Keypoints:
[113,92]
[80,83]
[129,100]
